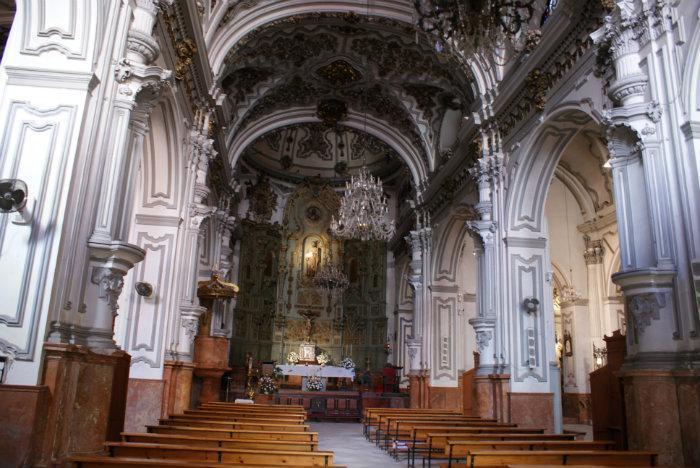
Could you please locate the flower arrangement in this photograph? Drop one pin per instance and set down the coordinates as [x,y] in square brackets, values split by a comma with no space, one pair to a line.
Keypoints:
[347,363]
[277,372]
[267,385]
[323,359]
[314,383]
[292,357]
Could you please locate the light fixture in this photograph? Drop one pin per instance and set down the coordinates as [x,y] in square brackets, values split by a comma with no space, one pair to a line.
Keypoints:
[471,24]
[363,209]
[330,278]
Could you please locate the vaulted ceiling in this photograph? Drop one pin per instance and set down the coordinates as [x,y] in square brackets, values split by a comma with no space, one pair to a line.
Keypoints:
[343,64]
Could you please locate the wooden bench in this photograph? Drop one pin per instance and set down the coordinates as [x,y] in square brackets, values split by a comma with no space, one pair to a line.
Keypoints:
[371,416]
[292,419]
[300,435]
[223,405]
[217,454]
[286,414]
[420,442]
[402,430]
[385,424]
[235,425]
[251,444]
[98,462]
[556,457]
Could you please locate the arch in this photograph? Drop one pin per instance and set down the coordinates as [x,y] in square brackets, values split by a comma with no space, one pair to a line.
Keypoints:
[448,249]
[248,20]
[397,141]
[691,80]
[533,168]
[581,195]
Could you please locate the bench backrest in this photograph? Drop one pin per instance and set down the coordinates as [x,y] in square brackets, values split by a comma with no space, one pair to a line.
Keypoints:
[552,457]
[235,433]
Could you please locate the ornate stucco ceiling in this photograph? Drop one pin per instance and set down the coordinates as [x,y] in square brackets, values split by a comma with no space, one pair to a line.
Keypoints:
[316,150]
[374,66]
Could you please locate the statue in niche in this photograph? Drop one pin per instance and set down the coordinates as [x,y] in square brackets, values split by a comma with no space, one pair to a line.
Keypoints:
[312,259]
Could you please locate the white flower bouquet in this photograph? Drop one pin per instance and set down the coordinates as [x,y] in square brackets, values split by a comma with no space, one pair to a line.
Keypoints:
[323,359]
[314,384]
[267,385]
[347,363]
[292,357]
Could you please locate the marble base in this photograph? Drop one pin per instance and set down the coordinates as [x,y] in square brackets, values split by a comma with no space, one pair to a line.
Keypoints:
[210,364]
[663,414]
[491,396]
[22,417]
[144,404]
[87,400]
[576,408]
[449,398]
[177,387]
[532,410]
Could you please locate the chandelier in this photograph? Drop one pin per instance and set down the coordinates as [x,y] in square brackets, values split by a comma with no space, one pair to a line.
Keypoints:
[330,278]
[471,24]
[363,210]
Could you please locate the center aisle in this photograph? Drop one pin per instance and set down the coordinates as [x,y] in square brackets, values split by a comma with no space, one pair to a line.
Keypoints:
[350,447]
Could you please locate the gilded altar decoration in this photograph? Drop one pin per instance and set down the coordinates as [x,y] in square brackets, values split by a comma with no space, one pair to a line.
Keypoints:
[216,288]
[263,201]
[185,51]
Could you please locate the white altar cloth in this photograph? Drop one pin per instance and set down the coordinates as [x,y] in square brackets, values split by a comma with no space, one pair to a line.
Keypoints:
[314,369]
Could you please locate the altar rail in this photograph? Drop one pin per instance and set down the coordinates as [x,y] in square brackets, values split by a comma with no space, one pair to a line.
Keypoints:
[338,406]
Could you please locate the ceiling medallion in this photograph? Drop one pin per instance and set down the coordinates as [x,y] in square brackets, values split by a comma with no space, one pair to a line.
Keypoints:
[339,73]
[331,111]
[475,23]
[363,210]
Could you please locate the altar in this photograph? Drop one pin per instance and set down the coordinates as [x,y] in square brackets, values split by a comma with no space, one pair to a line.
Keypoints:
[314,370]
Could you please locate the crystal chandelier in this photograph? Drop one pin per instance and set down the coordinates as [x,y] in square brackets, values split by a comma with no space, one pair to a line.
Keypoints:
[471,24]
[363,210]
[331,279]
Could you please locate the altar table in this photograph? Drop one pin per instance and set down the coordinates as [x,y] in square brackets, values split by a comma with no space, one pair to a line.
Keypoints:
[314,369]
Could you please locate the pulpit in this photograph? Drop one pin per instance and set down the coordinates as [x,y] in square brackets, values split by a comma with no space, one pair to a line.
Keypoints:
[211,352]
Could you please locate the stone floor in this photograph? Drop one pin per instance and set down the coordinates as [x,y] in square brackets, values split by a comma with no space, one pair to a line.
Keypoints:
[350,447]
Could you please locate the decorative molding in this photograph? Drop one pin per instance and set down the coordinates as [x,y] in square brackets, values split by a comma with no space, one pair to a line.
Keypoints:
[644,308]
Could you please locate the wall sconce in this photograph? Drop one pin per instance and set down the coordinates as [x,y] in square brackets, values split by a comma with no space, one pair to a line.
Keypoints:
[531,305]
[144,289]
[4,367]
[600,356]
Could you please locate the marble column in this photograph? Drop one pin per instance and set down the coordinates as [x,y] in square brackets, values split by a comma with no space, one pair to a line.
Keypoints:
[656,227]
[184,329]
[139,84]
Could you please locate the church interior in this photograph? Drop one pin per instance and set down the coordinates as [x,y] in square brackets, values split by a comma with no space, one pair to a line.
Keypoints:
[349,233]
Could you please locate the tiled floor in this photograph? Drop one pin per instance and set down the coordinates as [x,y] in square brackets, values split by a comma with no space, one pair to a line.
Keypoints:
[350,447]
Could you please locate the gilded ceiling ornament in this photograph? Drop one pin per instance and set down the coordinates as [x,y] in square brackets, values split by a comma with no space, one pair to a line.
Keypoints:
[536,85]
[185,51]
[339,73]
[331,111]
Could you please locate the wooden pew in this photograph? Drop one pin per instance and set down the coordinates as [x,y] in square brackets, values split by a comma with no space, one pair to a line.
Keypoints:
[292,419]
[221,455]
[437,441]
[300,435]
[396,426]
[241,419]
[238,412]
[419,436]
[83,461]
[384,422]
[248,444]
[371,416]
[223,406]
[457,449]
[236,425]
[556,457]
